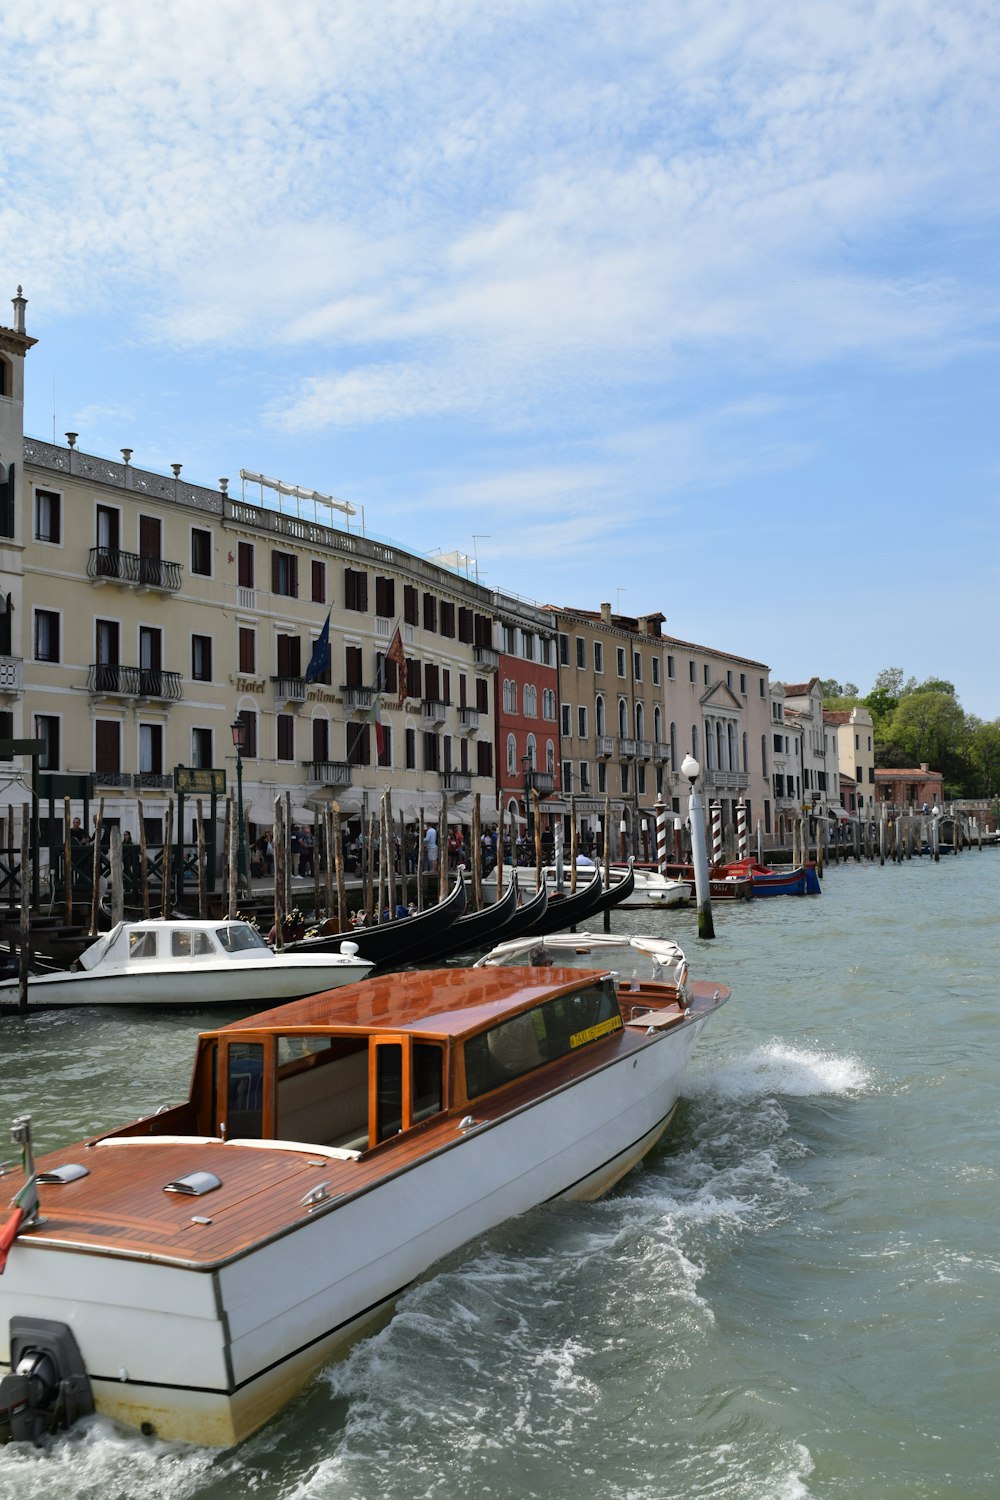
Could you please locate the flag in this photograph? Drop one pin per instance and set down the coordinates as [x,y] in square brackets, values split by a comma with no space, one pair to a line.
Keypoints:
[320,659]
[397,655]
[25,1206]
[375,717]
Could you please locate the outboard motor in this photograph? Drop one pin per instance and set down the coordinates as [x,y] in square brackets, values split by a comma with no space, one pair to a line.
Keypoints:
[47,1388]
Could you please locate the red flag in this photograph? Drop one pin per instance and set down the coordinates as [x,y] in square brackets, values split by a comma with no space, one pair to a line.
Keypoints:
[397,655]
[8,1234]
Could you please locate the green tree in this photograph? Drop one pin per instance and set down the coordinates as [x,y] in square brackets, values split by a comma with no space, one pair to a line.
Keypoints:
[984,755]
[930,726]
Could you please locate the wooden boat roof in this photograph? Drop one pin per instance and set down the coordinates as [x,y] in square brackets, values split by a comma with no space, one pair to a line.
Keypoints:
[443,1002]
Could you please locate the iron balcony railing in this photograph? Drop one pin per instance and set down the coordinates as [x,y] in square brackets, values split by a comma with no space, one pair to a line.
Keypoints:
[329,772]
[134,682]
[110,564]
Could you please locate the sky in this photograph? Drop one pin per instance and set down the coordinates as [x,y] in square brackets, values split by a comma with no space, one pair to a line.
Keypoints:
[686,308]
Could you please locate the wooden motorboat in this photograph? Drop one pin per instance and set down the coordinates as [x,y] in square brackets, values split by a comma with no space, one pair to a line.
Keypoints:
[392,942]
[187,962]
[186,1273]
[651,888]
[721,887]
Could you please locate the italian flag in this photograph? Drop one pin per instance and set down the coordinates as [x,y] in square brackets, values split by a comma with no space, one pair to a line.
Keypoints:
[375,717]
[25,1206]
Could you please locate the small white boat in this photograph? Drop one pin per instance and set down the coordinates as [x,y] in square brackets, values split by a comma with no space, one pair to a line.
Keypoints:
[652,888]
[187,1273]
[184,963]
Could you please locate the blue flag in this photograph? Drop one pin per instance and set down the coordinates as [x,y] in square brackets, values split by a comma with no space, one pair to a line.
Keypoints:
[320,659]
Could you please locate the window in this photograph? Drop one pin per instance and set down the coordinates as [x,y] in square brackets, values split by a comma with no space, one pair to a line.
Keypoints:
[549,704]
[285,574]
[385,597]
[151,749]
[671,667]
[286,736]
[625,778]
[411,749]
[47,730]
[447,619]
[564,650]
[201,552]
[484,758]
[48,516]
[620,661]
[509,696]
[585,777]
[244,565]
[743,682]
[566,724]
[509,640]
[432,751]
[581,722]
[411,605]
[581,652]
[527,1041]
[430,612]
[466,625]
[530,701]
[289,653]
[511,755]
[201,658]
[46,635]
[602,775]
[692,672]
[598,656]
[483,695]
[201,748]
[248,649]
[705,673]
[384,751]
[320,740]
[729,679]
[107,747]
[318,578]
[637,666]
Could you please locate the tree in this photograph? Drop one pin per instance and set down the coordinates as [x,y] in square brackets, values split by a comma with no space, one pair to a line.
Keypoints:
[929,726]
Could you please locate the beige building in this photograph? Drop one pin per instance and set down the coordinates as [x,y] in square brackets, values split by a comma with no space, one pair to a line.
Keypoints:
[145,613]
[634,703]
[855,751]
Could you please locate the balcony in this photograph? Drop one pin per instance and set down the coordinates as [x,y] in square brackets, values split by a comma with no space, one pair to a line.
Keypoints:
[469,718]
[604,746]
[727,781]
[435,711]
[328,772]
[644,749]
[11,676]
[111,680]
[246,599]
[357,699]
[153,781]
[109,565]
[542,782]
[627,749]
[487,658]
[113,778]
[661,752]
[290,689]
[456,781]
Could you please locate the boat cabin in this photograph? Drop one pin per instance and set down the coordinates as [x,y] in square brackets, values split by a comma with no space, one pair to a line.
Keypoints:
[353,1068]
[160,942]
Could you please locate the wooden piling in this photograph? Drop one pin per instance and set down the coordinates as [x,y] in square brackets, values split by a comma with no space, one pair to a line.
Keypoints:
[95,896]
[117,876]
[24,923]
[168,841]
[200,844]
[67,866]
[477,854]
[574,843]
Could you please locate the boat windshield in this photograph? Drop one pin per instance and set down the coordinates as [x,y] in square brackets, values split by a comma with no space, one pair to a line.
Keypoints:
[622,959]
[238,937]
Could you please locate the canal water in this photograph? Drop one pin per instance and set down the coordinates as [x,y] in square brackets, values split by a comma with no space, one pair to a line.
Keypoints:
[796,1296]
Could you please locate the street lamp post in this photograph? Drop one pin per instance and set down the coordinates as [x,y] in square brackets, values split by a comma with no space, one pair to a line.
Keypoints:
[239,731]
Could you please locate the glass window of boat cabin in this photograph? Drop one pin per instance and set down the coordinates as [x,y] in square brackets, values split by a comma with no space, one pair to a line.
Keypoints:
[532,1038]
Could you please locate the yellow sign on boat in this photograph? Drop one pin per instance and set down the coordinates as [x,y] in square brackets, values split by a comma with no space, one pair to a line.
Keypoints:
[613,1023]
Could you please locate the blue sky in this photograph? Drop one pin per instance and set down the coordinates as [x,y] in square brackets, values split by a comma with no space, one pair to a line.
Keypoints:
[691,308]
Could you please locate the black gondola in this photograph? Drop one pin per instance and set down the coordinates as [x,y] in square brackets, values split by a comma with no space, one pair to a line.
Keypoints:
[568,911]
[391,943]
[617,891]
[474,929]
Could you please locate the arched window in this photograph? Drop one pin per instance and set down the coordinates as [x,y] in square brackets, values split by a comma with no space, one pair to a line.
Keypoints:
[623,718]
[511,755]
[657,726]
[734,762]
[531,752]
[746,752]
[640,721]
[763,755]
[709,747]
[599,714]
[530,696]
[719,748]
[673,747]
[694,740]
[550,757]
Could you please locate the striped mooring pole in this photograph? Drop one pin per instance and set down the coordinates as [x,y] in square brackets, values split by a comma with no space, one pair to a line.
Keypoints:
[660,810]
[743,847]
[716,810]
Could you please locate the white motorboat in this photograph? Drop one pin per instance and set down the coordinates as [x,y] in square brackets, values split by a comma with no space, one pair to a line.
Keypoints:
[187,1273]
[184,963]
[640,961]
[652,888]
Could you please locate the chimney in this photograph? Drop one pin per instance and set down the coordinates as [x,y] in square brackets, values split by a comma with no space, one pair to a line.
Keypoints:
[20,303]
[606,613]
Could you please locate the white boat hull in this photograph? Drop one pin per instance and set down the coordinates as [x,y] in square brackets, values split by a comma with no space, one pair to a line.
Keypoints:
[209,1355]
[237,982]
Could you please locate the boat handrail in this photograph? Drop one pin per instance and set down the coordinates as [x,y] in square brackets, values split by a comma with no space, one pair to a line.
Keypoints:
[335,1153]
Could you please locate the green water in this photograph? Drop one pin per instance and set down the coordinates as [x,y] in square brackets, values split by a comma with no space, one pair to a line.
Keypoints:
[796,1296]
